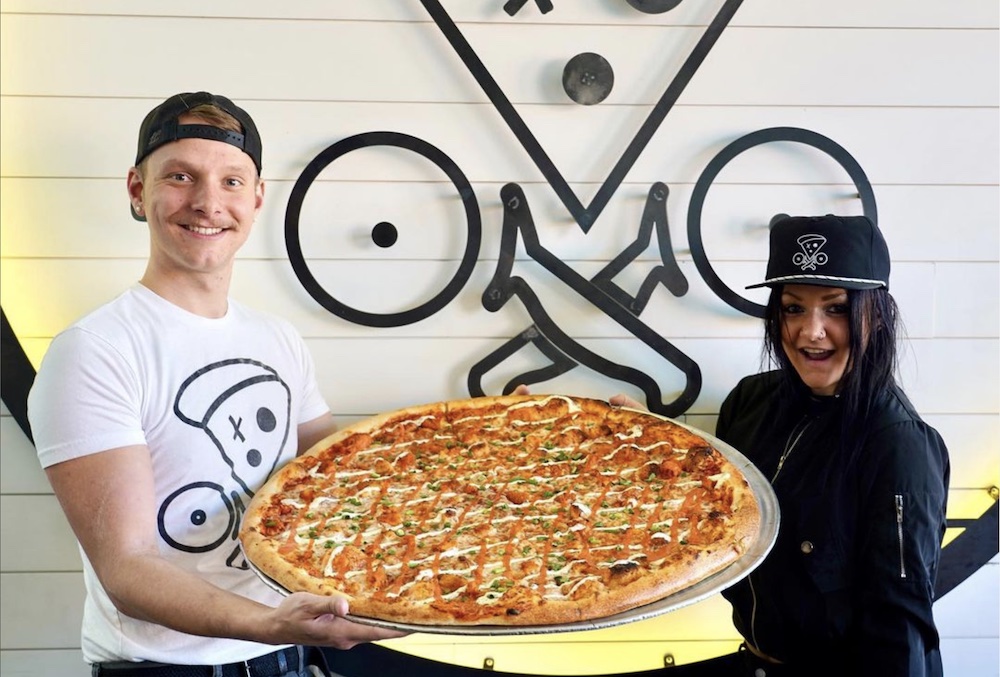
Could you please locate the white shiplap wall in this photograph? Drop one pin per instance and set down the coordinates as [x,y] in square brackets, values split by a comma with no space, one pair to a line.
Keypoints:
[910,89]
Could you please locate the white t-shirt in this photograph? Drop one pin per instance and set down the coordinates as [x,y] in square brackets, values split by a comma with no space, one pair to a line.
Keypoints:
[217,402]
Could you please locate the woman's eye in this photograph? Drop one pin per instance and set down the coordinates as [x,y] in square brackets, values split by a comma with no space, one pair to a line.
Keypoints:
[839,309]
[791,309]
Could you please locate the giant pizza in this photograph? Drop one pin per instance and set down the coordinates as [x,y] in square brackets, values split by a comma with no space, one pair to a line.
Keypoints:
[505,511]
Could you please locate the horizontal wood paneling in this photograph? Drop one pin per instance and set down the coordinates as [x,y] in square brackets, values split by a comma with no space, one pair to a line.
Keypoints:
[806,66]
[860,13]
[41,610]
[892,144]
[922,223]
[869,75]
[37,536]
[46,663]
[933,388]
[961,311]
[971,440]
[375,287]
[20,472]
[952,376]
[970,609]
[942,376]
[976,657]
[390,287]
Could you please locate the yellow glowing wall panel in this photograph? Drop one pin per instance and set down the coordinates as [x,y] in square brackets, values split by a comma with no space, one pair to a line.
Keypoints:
[690,634]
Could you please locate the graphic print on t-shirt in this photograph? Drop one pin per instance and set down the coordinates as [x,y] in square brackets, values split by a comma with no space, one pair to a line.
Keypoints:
[244,408]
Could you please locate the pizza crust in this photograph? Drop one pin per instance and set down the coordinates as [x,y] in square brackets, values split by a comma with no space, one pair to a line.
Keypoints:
[461,454]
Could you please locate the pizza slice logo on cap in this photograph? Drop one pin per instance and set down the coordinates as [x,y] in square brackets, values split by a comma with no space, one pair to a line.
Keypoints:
[811,254]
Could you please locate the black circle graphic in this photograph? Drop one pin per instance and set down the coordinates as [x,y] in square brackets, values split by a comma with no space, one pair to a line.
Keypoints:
[254,458]
[384,234]
[294,245]
[197,516]
[588,78]
[727,154]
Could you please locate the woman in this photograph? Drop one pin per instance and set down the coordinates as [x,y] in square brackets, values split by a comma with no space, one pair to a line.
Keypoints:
[861,480]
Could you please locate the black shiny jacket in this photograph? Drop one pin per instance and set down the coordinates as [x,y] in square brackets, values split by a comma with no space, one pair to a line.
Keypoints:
[849,583]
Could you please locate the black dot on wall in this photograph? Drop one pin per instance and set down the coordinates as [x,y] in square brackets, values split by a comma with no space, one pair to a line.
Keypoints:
[653,6]
[588,78]
[384,234]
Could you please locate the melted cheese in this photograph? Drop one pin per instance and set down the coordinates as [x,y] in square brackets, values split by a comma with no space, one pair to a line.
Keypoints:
[567,525]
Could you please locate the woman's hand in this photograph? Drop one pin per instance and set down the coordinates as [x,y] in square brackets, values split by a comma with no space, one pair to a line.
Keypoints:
[622,400]
[619,400]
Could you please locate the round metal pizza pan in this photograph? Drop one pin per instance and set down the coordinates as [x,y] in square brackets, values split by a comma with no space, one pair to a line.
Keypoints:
[715,583]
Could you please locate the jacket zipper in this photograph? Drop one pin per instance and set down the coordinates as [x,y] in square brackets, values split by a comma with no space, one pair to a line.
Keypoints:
[793,440]
[899,533]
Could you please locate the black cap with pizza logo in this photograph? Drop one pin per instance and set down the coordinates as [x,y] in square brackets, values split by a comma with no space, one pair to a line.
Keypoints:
[827,251]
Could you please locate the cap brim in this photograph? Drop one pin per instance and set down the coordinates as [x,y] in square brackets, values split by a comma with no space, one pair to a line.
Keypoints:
[820,281]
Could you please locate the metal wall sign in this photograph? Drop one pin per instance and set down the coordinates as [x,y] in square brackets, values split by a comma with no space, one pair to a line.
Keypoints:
[587,79]
[587,216]
[602,292]
[384,233]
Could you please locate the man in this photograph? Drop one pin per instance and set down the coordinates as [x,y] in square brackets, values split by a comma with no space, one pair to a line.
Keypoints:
[158,415]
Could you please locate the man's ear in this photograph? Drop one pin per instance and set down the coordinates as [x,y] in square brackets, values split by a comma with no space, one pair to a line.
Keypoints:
[135,184]
[259,191]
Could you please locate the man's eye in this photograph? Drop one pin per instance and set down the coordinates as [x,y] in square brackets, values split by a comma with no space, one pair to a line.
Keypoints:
[234,183]
[179,177]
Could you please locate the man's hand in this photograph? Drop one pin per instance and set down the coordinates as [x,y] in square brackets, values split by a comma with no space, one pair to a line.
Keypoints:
[303,618]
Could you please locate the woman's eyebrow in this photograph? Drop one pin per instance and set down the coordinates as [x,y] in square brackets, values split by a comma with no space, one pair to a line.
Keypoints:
[834,295]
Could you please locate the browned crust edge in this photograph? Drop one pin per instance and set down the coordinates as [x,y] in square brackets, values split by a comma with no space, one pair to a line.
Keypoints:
[744,528]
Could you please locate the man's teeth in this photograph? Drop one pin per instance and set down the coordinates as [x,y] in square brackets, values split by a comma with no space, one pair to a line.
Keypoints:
[204,231]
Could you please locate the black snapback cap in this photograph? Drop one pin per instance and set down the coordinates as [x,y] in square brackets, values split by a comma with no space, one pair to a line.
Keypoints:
[827,251]
[160,127]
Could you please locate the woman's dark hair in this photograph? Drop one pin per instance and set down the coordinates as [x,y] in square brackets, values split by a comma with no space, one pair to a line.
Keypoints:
[874,329]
